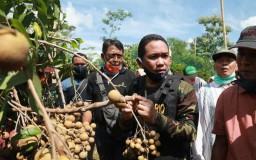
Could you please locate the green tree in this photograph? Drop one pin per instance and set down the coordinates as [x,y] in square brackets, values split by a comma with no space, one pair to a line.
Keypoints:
[183,56]
[130,56]
[113,21]
[177,46]
[212,39]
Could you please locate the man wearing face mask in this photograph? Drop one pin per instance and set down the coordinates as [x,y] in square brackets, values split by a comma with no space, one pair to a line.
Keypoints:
[166,103]
[73,93]
[108,147]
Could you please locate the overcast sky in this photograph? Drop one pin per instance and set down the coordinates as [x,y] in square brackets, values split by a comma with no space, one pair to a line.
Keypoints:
[169,18]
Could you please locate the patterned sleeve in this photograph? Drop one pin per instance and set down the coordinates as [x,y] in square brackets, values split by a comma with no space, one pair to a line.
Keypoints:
[183,127]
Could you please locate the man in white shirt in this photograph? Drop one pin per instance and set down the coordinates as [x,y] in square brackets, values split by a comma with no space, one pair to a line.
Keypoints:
[224,66]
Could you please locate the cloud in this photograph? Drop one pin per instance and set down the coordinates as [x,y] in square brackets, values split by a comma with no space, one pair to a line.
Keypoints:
[251,21]
[190,40]
[76,18]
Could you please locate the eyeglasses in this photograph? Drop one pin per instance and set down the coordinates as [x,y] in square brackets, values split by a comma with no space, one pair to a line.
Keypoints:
[119,56]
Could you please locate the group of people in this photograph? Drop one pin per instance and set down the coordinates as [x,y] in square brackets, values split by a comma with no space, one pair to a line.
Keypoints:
[195,119]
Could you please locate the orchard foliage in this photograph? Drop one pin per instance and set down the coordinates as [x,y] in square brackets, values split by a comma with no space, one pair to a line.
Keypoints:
[42,22]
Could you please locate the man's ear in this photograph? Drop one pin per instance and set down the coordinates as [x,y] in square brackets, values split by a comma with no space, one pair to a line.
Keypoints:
[139,62]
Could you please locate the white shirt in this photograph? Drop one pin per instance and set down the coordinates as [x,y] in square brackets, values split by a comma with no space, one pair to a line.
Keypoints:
[199,82]
[207,98]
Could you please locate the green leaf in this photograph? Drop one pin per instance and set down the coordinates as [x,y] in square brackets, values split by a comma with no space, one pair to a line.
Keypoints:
[79,40]
[26,133]
[3,108]
[42,16]
[37,29]
[15,23]
[64,45]
[38,87]
[56,12]
[2,13]
[17,79]
[4,82]
[74,44]
[29,147]
[30,132]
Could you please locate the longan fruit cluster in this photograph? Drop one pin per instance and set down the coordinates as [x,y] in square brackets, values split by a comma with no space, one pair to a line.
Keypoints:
[78,136]
[141,148]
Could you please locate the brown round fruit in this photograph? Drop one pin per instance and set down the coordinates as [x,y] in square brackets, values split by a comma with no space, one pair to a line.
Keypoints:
[71,118]
[5,135]
[79,125]
[14,49]
[68,124]
[93,125]
[83,154]
[91,140]
[114,96]
[83,136]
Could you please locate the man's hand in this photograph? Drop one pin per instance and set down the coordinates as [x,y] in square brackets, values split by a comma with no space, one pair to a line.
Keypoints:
[146,109]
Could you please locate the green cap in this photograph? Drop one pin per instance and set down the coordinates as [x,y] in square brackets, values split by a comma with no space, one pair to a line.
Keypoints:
[190,70]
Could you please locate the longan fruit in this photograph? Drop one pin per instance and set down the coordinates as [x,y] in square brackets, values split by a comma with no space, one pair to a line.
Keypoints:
[141,157]
[77,148]
[83,154]
[91,140]
[14,49]
[5,135]
[114,96]
[152,133]
[158,143]
[93,125]
[68,124]
[79,125]
[71,118]
[85,124]
[77,140]
[158,154]
[79,103]
[152,147]
[132,144]
[151,141]
[127,142]
[88,148]
[137,145]
[84,136]
[138,140]
[19,156]
[142,149]
[157,136]
[85,143]
[88,128]
[153,152]
[68,106]
[92,134]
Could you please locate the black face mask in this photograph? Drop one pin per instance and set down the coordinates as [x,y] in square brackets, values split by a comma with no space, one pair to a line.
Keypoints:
[156,77]
[80,72]
[248,86]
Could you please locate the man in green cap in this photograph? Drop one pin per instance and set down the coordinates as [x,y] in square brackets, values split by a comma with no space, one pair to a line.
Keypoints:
[193,79]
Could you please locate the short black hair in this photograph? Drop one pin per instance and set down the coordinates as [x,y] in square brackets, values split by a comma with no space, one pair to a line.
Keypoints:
[80,54]
[110,42]
[145,40]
